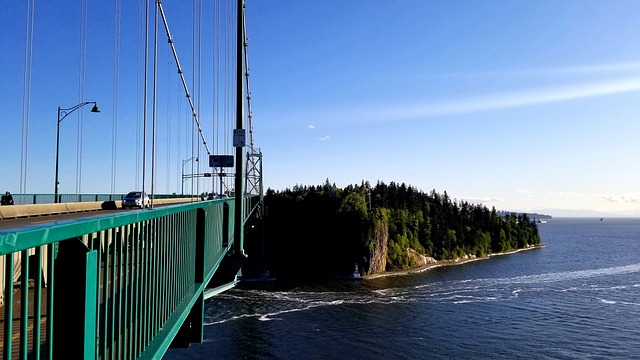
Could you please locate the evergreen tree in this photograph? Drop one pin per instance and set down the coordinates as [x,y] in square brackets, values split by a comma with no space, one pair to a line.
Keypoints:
[314,230]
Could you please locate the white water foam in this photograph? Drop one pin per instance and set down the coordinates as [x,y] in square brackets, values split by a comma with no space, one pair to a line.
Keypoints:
[279,309]
[545,278]
[275,304]
[476,300]
[573,275]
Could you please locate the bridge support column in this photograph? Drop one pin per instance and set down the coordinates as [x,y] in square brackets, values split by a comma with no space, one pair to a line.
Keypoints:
[74,302]
[192,329]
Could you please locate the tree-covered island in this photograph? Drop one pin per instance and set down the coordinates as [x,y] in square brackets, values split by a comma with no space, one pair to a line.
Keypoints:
[324,231]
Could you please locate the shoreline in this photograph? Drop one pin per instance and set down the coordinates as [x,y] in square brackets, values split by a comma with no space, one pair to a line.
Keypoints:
[442,263]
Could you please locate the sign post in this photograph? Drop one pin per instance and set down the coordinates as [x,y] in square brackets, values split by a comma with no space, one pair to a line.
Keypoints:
[221,161]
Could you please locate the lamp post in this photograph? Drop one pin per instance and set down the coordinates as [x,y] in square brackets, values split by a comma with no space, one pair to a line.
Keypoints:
[182,178]
[62,113]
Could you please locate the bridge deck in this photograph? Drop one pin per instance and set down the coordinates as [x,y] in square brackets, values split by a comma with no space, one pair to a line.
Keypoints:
[16,324]
[128,285]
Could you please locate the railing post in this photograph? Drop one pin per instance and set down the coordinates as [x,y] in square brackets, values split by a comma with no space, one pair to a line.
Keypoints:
[225,224]
[8,306]
[192,330]
[196,316]
[201,232]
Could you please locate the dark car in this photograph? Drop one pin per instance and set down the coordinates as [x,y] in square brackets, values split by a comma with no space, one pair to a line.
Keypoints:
[138,199]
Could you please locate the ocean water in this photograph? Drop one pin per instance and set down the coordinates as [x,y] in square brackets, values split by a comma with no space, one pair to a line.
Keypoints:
[576,298]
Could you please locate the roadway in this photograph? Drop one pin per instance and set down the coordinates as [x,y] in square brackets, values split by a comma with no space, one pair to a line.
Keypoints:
[6,224]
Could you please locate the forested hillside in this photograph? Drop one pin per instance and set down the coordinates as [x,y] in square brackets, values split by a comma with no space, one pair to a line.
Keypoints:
[323,230]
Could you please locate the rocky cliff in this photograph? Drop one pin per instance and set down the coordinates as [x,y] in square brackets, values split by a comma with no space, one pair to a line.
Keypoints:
[380,238]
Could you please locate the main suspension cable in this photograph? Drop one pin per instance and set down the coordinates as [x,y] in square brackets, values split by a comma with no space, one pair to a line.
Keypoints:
[184,83]
[246,74]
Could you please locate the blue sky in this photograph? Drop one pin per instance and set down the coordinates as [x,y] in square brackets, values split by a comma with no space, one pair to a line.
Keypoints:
[522,105]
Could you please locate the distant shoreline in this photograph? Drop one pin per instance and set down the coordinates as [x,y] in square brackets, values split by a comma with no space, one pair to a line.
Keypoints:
[441,263]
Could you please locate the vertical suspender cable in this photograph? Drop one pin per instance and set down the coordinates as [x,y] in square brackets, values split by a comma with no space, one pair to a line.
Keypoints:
[193,86]
[26,94]
[155,106]
[216,71]
[215,45]
[228,86]
[194,113]
[144,111]
[168,142]
[231,75]
[228,75]
[116,78]
[179,141]
[194,57]
[83,53]
[225,83]
[140,89]
[178,146]
[199,79]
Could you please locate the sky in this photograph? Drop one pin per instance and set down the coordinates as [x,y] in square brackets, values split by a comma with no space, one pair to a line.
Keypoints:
[519,105]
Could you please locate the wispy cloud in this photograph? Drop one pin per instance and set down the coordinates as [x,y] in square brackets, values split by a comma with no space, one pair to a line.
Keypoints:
[324,138]
[628,199]
[482,199]
[570,70]
[419,109]
[517,98]
[524,191]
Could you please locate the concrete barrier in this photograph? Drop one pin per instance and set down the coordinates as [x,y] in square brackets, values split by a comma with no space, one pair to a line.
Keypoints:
[55,209]
[37,209]
[30,210]
[84,206]
[16,211]
[7,212]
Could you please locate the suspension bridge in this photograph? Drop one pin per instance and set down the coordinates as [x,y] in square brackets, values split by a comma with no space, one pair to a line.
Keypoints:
[132,284]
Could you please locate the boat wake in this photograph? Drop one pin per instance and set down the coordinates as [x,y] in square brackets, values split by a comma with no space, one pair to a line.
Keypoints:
[264,305]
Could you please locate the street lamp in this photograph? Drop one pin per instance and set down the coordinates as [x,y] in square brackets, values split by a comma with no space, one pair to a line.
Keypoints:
[62,113]
[182,178]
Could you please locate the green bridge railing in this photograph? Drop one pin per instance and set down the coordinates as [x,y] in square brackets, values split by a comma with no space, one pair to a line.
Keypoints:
[121,286]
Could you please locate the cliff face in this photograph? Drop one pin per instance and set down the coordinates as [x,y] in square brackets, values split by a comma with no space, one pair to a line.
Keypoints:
[380,235]
[419,259]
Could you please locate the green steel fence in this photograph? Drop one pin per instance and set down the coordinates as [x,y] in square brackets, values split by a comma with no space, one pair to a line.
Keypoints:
[118,286]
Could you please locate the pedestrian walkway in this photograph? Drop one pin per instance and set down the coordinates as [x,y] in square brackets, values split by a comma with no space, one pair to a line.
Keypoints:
[15,333]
